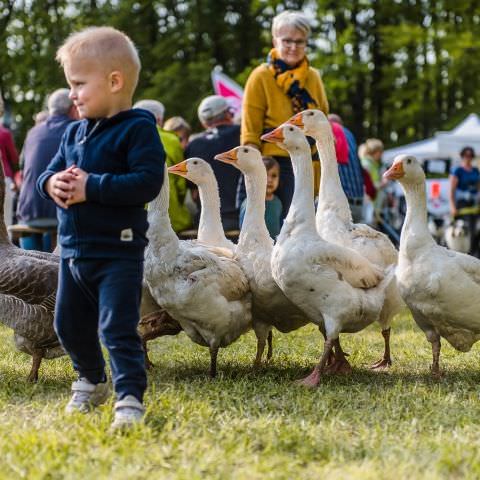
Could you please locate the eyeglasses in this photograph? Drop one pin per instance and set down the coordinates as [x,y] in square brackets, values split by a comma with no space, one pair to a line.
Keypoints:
[289,42]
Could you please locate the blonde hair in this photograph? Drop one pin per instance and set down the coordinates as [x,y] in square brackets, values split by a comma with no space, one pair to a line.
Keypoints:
[290,18]
[109,47]
[373,145]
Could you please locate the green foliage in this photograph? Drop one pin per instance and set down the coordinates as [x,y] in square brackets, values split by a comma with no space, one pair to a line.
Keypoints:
[250,424]
[397,70]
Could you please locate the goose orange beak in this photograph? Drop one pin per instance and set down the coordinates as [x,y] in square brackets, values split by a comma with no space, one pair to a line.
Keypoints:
[296,120]
[395,172]
[275,136]
[228,157]
[179,169]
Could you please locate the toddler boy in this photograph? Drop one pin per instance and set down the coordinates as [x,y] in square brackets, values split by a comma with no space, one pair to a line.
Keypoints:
[108,166]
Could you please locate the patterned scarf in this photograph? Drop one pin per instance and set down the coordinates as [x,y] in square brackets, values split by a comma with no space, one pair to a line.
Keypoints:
[291,81]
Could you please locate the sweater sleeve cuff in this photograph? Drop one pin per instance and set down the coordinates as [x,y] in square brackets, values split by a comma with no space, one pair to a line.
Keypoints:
[92,189]
[41,185]
[250,138]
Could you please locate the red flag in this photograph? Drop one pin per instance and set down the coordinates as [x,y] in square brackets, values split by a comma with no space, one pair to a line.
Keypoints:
[228,88]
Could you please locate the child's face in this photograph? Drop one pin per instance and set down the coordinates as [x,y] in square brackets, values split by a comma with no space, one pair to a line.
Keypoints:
[273,177]
[90,89]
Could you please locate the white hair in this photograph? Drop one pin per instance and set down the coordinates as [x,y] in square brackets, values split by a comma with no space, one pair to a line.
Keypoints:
[59,102]
[155,107]
[290,18]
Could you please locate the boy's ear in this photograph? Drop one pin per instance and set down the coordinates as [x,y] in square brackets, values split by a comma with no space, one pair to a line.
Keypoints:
[116,81]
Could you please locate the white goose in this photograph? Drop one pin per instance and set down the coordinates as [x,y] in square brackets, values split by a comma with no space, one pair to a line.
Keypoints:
[270,306]
[441,287]
[207,294]
[210,230]
[330,283]
[334,220]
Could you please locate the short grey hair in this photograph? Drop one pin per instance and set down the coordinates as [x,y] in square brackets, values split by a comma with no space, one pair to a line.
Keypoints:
[59,102]
[291,18]
[155,107]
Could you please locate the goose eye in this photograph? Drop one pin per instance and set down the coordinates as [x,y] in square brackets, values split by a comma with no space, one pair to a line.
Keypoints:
[310,113]
[291,129]
[195,162]
[245,150]
[409,160]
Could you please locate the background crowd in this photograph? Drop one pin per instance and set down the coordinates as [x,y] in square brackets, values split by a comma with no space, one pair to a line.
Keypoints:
[283,84]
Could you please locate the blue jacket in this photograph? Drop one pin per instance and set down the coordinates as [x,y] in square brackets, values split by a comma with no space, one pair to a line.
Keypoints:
[125,160]
[40,146]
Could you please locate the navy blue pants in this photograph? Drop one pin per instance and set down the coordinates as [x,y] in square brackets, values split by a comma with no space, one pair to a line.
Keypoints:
[99,299]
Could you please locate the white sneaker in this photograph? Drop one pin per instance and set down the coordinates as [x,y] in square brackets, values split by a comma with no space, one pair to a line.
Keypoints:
[128,412]
[87,395]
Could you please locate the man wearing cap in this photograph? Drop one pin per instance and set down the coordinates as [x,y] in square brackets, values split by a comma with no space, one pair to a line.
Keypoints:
[220,135]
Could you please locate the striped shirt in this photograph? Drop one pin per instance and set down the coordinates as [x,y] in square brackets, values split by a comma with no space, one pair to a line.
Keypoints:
[351,173]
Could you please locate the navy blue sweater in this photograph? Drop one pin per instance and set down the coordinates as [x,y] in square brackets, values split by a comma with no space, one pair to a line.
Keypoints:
[124,159]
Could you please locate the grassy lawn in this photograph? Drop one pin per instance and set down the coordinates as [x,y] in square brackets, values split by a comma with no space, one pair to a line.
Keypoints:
[254,425]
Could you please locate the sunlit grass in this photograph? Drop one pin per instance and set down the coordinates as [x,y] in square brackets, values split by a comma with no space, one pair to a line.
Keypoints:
[250,424]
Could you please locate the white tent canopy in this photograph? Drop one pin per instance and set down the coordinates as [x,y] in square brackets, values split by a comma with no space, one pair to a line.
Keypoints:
[443,144]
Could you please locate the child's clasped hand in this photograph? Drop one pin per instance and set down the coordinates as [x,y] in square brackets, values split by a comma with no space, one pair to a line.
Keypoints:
[68,186]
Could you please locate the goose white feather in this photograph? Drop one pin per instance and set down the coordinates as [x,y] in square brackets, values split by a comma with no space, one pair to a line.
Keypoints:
[441,287]
[332,284]
[270,306]
[334,220]
[206,293]
[210,230]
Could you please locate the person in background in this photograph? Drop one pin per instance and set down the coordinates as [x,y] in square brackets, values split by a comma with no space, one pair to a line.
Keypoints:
[179,214]
[275,90]
[220,135]
[108,166]
[8,151]
[273,205]
[181,127]
[371,157]
[370,154]
[464,189]
[39,148]
[351,175]
[40,117]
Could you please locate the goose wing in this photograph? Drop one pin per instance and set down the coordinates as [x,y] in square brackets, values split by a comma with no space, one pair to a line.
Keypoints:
[350,266]
[31,280]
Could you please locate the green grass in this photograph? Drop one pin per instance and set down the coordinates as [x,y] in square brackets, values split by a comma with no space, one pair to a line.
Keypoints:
[254,425]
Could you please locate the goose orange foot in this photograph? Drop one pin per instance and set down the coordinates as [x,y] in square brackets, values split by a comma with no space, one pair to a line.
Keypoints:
[312,380]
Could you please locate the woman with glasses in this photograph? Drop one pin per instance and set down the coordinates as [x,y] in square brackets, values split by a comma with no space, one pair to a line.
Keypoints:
[277,89]
[464,188]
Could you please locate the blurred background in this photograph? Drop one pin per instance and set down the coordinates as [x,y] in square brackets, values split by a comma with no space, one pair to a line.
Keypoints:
[396,70]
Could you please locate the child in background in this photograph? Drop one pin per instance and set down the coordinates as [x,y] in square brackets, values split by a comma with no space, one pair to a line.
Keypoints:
[273,205]
[108,166]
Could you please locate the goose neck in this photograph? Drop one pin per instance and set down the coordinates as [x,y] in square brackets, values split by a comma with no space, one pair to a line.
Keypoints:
[254,219]
[3,228]
[415,228]
[331,192]
[161,233]
[302,208]
[210,228]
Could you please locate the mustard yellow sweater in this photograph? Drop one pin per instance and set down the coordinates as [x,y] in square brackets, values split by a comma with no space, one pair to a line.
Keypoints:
[266,106]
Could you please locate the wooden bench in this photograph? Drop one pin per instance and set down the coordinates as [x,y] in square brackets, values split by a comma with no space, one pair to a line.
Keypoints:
[191,234]
[20,230]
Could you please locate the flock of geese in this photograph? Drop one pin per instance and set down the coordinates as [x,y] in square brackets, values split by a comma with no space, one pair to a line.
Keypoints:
[322,269]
